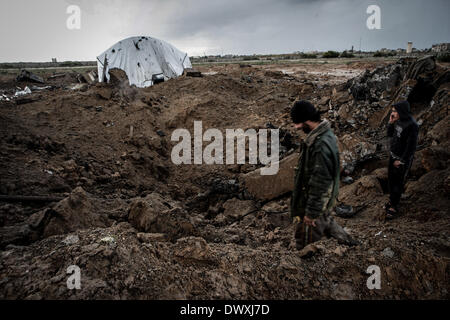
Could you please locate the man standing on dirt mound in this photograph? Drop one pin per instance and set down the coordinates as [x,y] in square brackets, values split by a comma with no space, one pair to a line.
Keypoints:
[403,130]
[316,184]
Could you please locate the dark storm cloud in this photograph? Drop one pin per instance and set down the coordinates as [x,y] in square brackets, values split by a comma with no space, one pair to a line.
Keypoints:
[217,26]
[289,25]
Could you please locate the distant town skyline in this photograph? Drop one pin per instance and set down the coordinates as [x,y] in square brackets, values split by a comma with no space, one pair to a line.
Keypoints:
[37,31]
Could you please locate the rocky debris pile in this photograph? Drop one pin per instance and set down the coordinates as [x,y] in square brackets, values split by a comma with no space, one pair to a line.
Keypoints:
[155,214]
[383,83]
[77,211]
[364,189]
[360,122]
[118,262]
[23,96]
[355,149]
[373,92]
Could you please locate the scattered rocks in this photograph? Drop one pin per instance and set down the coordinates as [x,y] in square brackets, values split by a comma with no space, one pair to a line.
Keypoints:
[152,237]
[440,133]
[347,180]
[161,133]
[388,253]
[108,240]
[20,234]
[344,211]
[340,251]
[71,239]
[104,93]
[194,249]
[310,250]
[153,214]
[359,191]
[75,212]
[435,158]
[354,148]
[237,209]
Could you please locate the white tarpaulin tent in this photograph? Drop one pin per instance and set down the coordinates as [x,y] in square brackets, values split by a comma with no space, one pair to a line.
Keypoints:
[143,58]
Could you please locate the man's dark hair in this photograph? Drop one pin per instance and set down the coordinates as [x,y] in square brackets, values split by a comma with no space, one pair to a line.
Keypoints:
[303,111]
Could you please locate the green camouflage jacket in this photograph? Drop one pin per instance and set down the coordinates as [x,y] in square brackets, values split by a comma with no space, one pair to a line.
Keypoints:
[317,174]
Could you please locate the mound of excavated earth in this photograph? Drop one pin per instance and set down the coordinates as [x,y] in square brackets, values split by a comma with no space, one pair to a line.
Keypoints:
[87,180]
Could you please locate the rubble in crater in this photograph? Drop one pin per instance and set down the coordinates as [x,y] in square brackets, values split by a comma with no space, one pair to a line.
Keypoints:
[141,227]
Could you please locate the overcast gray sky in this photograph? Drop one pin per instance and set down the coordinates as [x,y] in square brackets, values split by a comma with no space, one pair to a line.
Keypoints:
[36,30]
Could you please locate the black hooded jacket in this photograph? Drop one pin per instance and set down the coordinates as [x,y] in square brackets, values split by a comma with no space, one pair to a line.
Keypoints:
[404,133]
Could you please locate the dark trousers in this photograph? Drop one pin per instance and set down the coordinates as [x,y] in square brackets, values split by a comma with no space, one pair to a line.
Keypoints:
[396,180]
[325,226]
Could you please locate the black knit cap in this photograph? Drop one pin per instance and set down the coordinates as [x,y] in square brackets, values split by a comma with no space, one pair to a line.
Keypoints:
[303,111]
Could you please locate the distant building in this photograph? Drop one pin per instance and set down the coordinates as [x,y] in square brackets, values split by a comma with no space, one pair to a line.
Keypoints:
[440,48]
[409,47]
[54,60]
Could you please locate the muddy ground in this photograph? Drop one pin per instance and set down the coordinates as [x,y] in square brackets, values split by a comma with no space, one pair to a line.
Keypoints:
[140,227]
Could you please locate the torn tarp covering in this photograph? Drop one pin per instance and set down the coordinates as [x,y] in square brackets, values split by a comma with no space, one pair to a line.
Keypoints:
[141,58]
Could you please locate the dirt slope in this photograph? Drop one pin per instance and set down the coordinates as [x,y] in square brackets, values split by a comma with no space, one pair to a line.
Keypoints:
[140,227]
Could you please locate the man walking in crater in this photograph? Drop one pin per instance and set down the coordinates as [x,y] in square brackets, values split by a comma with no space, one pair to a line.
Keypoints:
[316,180]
